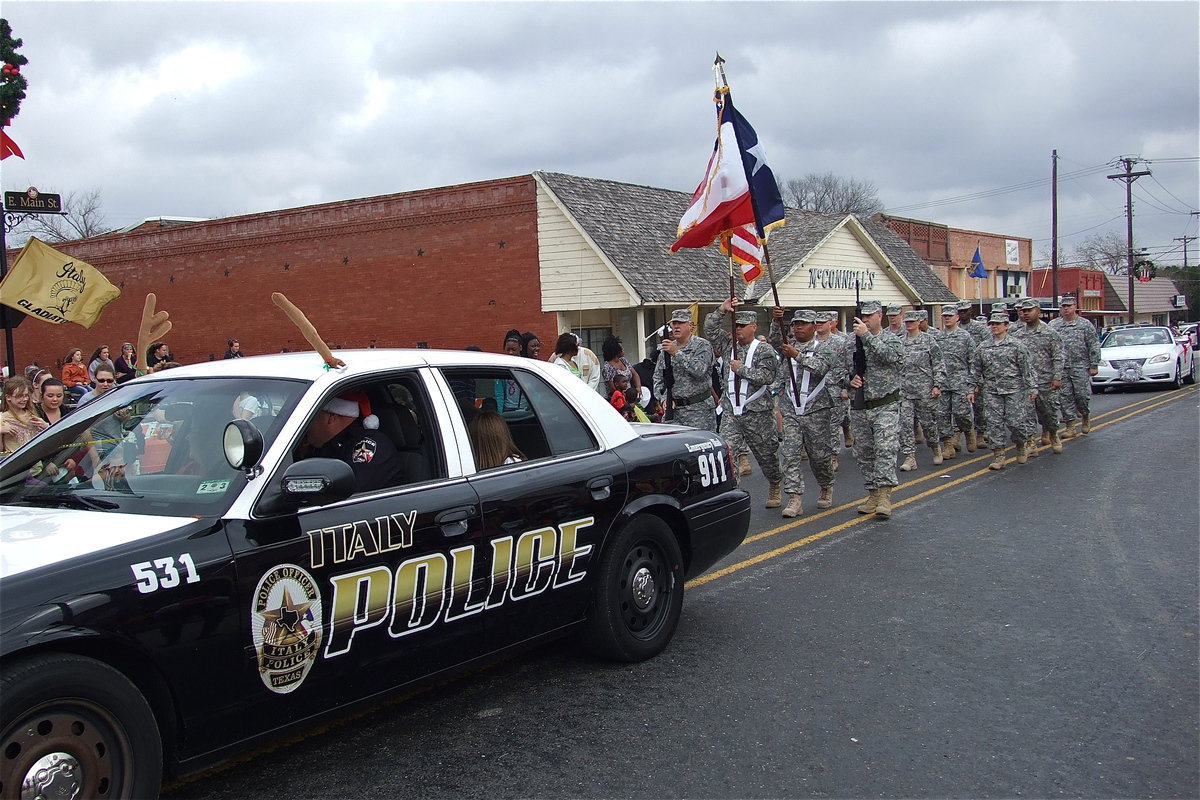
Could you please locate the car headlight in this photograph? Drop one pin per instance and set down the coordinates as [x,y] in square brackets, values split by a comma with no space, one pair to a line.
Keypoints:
[1160,359]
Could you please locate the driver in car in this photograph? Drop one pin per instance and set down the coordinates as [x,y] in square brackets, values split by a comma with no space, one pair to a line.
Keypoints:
[346,429]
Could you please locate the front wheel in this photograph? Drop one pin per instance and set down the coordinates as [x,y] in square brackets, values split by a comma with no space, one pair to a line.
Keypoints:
[1177,383]
[1190,378]
[638,594]
[75,727]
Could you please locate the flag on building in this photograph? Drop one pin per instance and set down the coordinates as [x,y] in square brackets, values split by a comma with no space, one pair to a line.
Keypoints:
[56,287]
[977,270]
[738,201]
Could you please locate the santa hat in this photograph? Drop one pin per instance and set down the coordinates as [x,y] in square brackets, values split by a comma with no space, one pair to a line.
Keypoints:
[353,404]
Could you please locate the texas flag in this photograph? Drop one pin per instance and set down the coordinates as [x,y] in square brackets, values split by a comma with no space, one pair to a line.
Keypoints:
[738,201]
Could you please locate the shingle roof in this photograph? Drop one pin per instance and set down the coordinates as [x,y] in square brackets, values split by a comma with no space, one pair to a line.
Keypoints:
[634,226]
[1151,296]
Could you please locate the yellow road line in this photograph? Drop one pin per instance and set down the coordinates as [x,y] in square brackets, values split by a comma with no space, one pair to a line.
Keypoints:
[1139,407]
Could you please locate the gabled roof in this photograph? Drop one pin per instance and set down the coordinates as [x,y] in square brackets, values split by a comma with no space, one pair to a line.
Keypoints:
[634,226]
[1152,296]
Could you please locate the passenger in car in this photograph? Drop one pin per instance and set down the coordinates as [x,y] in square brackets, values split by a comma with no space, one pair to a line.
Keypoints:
[337,432]
[492,441]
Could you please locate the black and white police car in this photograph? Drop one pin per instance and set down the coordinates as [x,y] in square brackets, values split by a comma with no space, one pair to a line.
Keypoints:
[175,583]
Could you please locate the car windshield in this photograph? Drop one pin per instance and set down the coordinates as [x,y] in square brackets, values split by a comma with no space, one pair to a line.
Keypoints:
[148,448]
[1131,338]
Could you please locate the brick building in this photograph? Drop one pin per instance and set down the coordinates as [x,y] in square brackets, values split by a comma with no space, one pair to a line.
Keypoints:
[1104,298]
[459,265]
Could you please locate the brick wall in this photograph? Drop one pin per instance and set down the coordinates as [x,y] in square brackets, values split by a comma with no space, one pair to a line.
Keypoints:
[451,266]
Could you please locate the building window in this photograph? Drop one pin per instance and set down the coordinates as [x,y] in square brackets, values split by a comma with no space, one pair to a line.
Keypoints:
[592,338]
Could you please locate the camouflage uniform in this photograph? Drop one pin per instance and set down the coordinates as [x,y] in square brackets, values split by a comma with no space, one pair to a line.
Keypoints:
[1081,352]
[1006,378]
[877,427]
[692,368]
[808,419]
[1046,353]
[979,331]
[924,369]
[756,420]
[958,352]
[837,343]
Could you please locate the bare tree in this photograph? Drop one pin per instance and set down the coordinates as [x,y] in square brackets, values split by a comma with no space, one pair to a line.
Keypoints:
[830,194]
[1105,251]
[83,216]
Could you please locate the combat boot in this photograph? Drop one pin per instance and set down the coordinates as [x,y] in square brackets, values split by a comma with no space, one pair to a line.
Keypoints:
[948,448]
[1055,442]
[1087,424]
[773,496]
[1022,452]
[870,504]
[837,464]
[997,458]
[972,441]
[918,435]
[744,467]
[847,436]
[883,507]
[1045,436]
[910,463]
[795,506]
[1031,448]
[826,498]
[1069,431]
[937,453]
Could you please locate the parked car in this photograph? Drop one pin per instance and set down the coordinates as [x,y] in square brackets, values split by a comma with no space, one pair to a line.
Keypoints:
[177,582]
[1141,354]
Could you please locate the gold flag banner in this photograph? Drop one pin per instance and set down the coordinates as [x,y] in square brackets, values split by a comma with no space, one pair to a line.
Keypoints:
[56,287]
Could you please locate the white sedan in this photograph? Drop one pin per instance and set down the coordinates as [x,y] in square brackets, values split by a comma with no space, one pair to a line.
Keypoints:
[1144,354]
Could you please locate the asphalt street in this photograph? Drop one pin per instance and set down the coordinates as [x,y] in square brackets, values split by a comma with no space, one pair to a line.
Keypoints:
[1024,633]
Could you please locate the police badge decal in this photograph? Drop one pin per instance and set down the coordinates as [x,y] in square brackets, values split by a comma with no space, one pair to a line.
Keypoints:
[286,626]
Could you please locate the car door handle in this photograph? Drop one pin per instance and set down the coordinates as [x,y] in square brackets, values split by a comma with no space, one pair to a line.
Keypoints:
[600,487]
[454,521]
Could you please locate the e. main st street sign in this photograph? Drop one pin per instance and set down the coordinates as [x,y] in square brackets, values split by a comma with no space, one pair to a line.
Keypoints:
[31,201]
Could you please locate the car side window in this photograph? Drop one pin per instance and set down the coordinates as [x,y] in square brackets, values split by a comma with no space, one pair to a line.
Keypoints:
[539,422]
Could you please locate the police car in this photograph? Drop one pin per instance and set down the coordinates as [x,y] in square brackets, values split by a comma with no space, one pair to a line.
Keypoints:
[177,580]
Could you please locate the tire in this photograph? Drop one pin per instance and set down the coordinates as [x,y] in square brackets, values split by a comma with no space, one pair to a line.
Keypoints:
[1178,382]
[638,593]
[73,723]
[1190,378]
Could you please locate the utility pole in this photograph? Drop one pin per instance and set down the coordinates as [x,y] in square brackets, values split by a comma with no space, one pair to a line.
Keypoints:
[1185,240]
[1054,228]
[1129,176]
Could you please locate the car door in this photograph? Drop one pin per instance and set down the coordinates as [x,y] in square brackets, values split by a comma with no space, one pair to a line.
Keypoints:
[544,517]
[353,598]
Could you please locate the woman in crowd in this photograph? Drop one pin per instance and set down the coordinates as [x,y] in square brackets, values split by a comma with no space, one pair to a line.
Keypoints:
[235,349]
[125,367]
[49,407]
[512,343]
[99,359]
[492,441]
[565,350]
[74,373]
[18,422]
[616,364]
[531,345]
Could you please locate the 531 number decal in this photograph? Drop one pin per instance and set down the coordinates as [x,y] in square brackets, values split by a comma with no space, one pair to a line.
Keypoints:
[161,573]
[713,469]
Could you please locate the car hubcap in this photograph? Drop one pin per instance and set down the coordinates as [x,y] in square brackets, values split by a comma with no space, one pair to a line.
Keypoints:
[64,752]
[643,588]
[52,775]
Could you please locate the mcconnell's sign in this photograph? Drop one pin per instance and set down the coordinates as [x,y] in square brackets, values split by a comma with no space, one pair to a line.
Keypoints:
[841,279]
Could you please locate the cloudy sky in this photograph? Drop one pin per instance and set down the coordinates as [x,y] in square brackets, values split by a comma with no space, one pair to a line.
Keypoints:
[951,109]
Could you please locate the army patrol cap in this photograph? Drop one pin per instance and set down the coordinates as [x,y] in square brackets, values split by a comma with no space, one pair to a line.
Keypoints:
[893,308]
[681,315]
[805,315]
[1027,304]
[827,316]
[998,307]
[745,318]
[871,307]
[964,305]
[914,316]
[950,311]
[998,317]
[1067,300]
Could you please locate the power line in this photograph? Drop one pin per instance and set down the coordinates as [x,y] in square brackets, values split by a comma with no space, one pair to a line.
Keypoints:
[1017,187]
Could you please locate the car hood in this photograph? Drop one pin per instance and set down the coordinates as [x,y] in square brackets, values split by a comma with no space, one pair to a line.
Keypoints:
[37,537]
[1134,351]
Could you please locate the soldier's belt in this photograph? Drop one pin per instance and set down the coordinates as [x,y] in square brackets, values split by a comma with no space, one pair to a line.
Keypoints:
[680,402]
[886,400]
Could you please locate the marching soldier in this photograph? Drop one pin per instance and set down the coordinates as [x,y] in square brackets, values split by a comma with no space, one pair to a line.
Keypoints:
[808,410]
[958,352]
[921,386]
[1046,352]
[691,365]
[829,336]
[876,427]
[1081,358]
[748,405]
[1006,385]
[977,328]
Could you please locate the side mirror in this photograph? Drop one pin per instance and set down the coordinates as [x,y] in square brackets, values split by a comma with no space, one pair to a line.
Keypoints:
[243,444]
[317,481]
